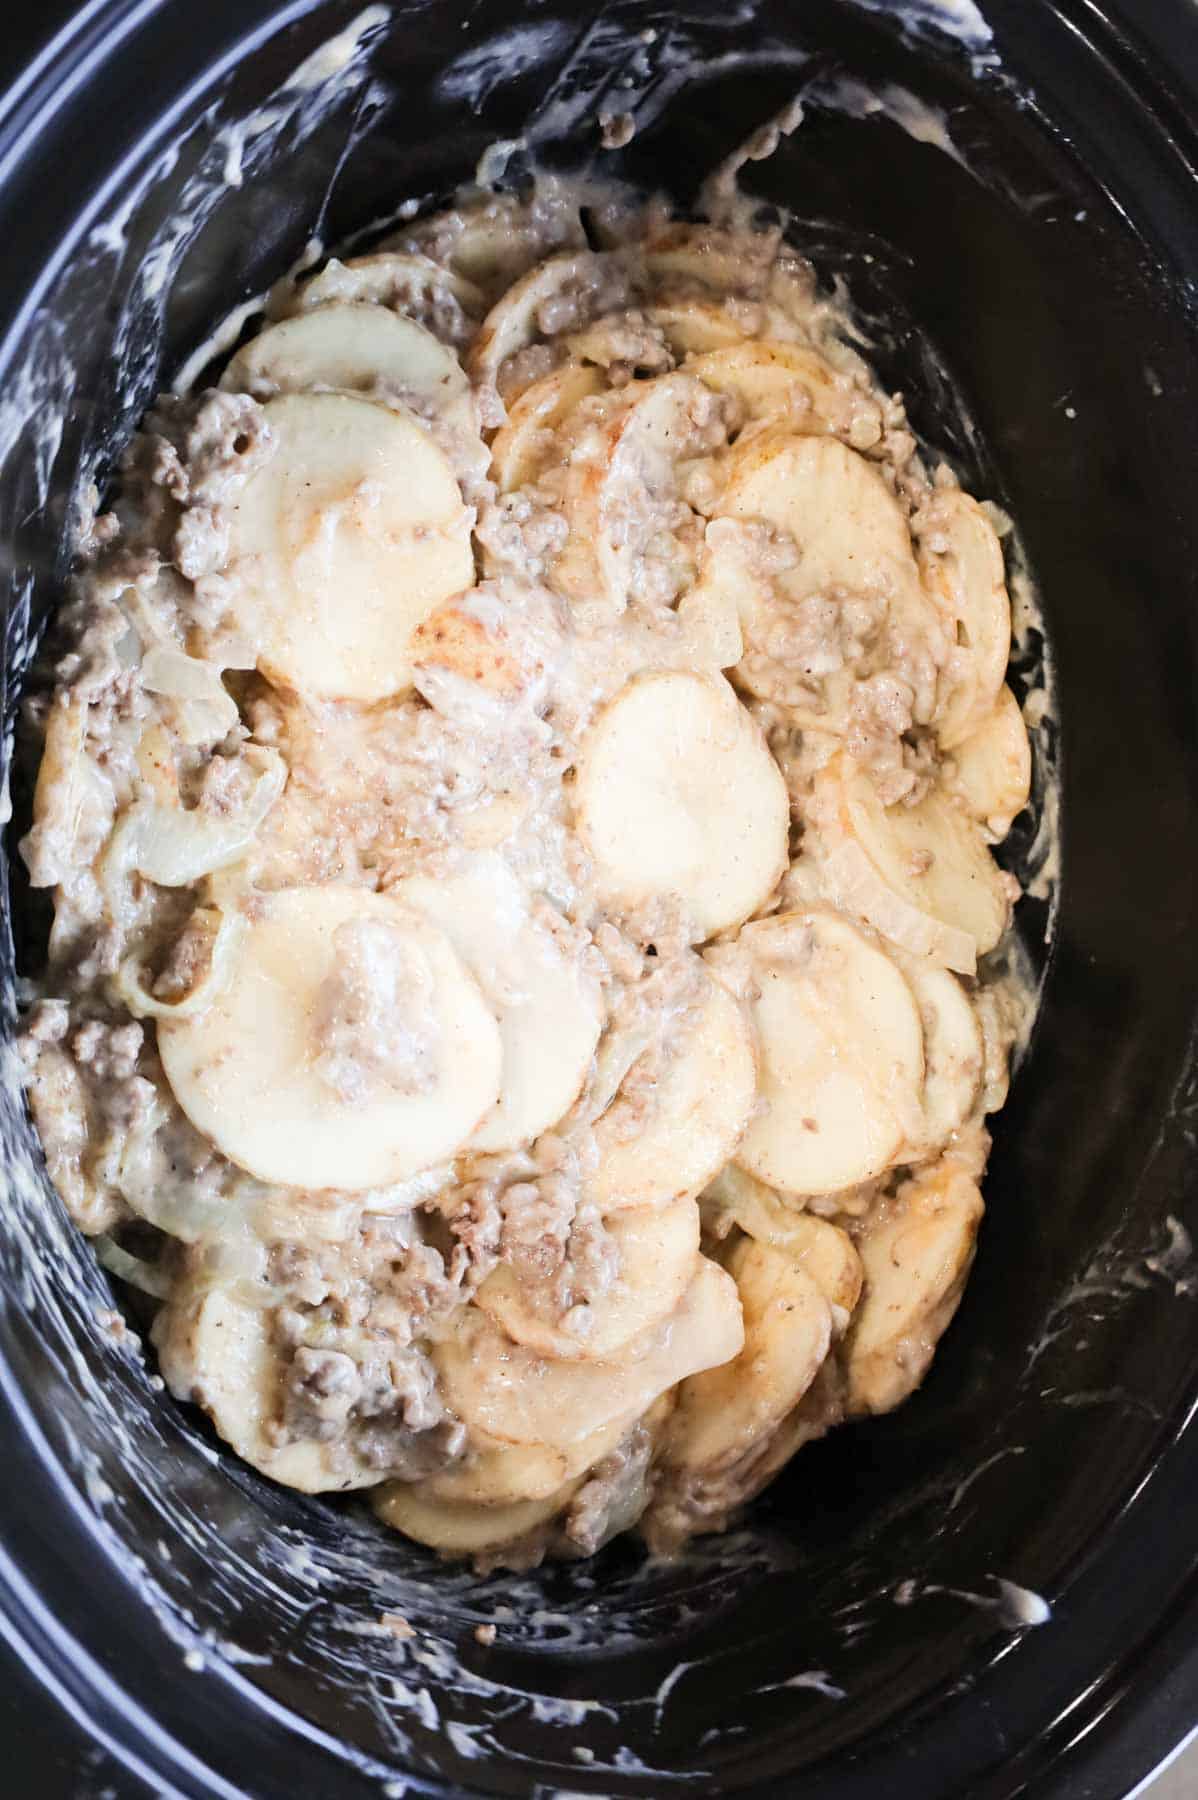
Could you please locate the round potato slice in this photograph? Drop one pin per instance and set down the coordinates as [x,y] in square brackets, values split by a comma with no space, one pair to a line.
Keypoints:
[656,1247]
[789,383]
[502,1473]
[549,1009]
[463,1527]
[251,1070]
[962,565]
[622,488]
[849,536]
[516,320]
[916,1263]
[678,798]
[723,1412]
[511,1394]
[520,448]
[992,767]
[346,537]
[952,1047]
[367,350]
[701,1104]
[841,1056]
[445,303]
[218,1352]
[823,1251]
[921,875]
[694,327]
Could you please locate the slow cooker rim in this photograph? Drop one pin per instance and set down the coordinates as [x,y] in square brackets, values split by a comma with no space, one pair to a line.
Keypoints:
[1132,1707]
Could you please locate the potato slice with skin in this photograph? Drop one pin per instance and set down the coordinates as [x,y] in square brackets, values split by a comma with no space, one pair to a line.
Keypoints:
[722,1412]
[702,1102]
[349,534]
[921,875]
[841,1055]
[217,1351]
[512,1394]
[246,1070]
[793,383]
[678,798]
[991,769]
[962,565]
[519,449]
[916,1262]
[463,1527]
[953,1050]
[550,1012]
[657,1249]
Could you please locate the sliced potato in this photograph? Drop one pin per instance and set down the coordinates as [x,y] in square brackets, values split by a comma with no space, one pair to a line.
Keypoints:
[520,448]
[694,327]
[849,537]
[491,244]
[620,491]
[698,1111]
[511,1394]
[921,875]
[218,1352]
[723,1412]
[501,1473]
[841,1055]
[514,321]
[412,285]
[348,535]
[962,565]
[247,1070]
[657,1248]
[705,254]
[367,350]
[992,767]
[678,798]
[953,1050]
[463,1527]
[820,1249]
[549,1009]
[916,1264]
[793,385]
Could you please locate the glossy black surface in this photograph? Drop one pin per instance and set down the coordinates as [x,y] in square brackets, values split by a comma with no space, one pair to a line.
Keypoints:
[1053,279]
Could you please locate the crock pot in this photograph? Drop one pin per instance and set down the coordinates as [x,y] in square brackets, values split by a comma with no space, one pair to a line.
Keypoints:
[992,1592]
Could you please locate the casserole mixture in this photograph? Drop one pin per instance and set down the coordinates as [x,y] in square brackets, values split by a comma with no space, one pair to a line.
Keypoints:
[518,796]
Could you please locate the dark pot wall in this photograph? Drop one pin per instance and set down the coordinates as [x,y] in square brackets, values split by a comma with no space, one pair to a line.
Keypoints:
[210,1627]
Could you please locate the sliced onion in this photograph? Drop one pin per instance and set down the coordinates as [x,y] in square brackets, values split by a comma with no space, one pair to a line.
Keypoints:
[859,889]
[206,712]
[132,1269]
[175,847]
[143,1004]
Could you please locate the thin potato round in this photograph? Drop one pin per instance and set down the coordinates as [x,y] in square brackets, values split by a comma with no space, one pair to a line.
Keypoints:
[679,799]
[841,1056]
[346,537]
[657,1248]
[247,1070]
[701,1103]
[512,1395]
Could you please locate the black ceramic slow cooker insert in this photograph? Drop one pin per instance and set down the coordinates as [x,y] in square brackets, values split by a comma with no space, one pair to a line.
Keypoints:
[174,1625]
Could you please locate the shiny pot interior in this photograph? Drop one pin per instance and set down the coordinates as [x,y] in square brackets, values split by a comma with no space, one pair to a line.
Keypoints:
[174,1624]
